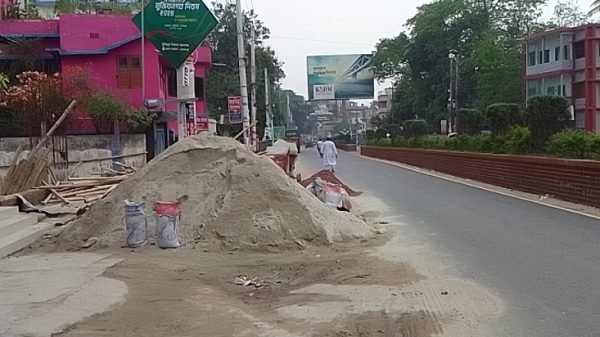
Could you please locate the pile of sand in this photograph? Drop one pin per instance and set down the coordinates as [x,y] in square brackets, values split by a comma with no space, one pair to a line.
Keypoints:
[230,198]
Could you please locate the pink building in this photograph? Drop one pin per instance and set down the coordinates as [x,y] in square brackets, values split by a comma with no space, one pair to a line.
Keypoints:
[109,48]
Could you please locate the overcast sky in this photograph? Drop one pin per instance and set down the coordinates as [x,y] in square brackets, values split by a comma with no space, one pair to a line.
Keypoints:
[300,28]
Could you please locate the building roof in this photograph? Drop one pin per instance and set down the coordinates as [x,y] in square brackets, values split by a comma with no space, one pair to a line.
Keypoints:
[29,28]
[82,34]
[557,31]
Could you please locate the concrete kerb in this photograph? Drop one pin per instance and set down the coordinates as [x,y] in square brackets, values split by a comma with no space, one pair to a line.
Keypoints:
[478,185]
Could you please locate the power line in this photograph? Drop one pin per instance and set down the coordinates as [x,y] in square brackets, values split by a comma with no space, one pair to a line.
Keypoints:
[321,41]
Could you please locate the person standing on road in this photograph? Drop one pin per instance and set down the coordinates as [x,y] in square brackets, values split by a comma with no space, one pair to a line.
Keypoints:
[320,147]
[329,154]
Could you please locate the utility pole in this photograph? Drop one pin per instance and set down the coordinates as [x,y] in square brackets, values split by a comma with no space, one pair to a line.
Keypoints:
[456,92]
[253,88]
[289,118]
[268,113]
[143,59]
[451,101]
[242,66]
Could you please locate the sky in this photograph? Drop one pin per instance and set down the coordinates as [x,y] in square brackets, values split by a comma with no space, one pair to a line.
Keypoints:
[327,27]
[300,28]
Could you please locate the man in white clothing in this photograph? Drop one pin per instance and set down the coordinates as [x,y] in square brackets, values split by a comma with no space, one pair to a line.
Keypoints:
[329,152]
[320,147]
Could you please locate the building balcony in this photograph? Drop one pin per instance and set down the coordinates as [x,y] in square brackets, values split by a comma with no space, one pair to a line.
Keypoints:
[565,65]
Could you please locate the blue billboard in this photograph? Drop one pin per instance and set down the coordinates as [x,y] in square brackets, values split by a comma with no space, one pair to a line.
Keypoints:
[339,77]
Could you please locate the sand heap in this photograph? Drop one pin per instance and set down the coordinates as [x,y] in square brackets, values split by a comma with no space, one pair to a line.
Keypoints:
[230,198]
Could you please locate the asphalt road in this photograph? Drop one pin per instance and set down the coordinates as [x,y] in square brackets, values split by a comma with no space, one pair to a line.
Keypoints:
[543,262]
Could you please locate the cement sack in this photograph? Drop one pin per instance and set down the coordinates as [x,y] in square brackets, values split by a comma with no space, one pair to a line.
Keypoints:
[136,224]
[167,230]
[331,194]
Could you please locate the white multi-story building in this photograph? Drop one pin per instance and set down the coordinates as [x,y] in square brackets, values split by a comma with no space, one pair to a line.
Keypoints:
[384,101]
[566,62]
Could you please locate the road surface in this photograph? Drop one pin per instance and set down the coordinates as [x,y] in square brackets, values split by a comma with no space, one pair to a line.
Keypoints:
[543,262]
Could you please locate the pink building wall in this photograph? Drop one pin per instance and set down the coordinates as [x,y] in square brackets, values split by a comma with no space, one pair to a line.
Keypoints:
[94,42]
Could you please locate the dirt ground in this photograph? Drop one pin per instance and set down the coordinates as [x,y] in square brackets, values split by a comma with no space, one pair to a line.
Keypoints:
[187,293]
[335,292]
[392,286]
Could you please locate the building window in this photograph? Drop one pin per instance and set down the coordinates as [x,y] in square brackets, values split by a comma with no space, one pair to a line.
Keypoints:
[550,91]
[172,82]
[557,54]
[578,90]
[531,91]
[129,72]
[541,57]
[532,59]
[579,50]
[547,56]
[199,87]
[564,90]
[566,52]
[558,92]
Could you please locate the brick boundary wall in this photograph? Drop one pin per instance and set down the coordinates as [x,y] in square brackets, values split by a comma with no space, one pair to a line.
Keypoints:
[567,179]
[346,147]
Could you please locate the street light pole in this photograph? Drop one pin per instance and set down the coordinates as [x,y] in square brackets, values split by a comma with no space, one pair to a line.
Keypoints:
[453,92]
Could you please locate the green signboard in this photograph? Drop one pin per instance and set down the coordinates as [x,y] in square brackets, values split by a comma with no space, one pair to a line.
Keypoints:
[176,27]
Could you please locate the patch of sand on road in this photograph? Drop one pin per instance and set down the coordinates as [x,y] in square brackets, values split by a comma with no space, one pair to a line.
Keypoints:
[396,289]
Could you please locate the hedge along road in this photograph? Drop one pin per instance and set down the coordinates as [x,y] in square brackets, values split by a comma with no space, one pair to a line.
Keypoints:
[543,262]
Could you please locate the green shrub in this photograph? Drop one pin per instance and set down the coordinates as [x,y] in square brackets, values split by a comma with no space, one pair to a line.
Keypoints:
[502,116]
[545,116]
[518,140]
[105,107]
[594,148]
[139,120]
[415,128]
[382,142]
[469,121]
[571,144]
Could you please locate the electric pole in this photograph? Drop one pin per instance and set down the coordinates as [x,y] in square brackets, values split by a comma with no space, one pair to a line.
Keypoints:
[253,88]
[268,113]
[242,66]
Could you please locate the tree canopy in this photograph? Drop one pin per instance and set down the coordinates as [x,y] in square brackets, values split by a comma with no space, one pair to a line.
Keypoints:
[223,78]
[485,34]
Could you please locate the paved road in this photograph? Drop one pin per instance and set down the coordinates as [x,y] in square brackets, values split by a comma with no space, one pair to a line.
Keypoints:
[543,262]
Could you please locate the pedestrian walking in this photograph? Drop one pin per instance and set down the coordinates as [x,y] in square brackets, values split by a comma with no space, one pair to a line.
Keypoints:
[329,154]
[320,147]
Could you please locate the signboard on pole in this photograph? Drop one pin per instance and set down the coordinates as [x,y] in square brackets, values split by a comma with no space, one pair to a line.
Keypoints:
[176,27]
[234,104]
[339,77]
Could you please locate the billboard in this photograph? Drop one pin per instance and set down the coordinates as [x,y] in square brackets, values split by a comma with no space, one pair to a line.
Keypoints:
[234,104]
[340,77]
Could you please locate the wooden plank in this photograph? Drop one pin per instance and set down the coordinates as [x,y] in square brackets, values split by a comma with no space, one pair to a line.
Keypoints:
[53,191]
[58,122]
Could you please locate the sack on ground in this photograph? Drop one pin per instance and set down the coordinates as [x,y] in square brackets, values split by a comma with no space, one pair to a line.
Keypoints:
[136,224]
[167,231]
[330,194]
